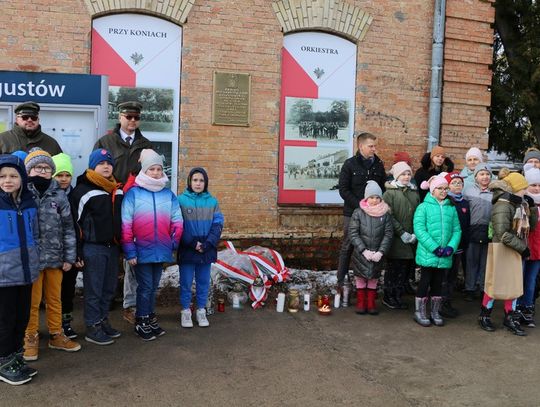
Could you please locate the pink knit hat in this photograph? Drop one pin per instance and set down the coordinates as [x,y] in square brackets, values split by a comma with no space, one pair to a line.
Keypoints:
[399,168]
[474,152]
[434,182]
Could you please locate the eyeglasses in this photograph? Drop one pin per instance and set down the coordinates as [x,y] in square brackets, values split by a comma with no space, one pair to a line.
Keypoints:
[43,170]
[444,189]
[26,117]
[132,117]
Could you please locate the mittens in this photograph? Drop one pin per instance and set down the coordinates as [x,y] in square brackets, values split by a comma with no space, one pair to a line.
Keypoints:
[413,239]
[526,253]
[448,251]
[377,256]
[368,254]
[439,252]
[406,237]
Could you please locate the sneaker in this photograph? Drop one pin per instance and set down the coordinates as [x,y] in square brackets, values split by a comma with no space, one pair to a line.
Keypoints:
[109,330]
[61,342]
[143,329]
[68,330]
[390,302]
[30,371]
[185,318]
[94,334]
[156,329]
[129,315]
[201,318]
[31,347]
[11,371]
[447,310]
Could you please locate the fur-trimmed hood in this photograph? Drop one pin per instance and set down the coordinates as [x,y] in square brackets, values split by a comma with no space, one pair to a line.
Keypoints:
[448,165]
[392,185]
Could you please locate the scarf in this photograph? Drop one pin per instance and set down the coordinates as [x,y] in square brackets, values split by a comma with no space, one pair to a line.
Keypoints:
[374,211]
[108,184]
[457,197]
[41,184]
[521,221]
[151,184]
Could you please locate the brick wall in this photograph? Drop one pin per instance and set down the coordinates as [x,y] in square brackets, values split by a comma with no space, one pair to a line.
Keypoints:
[393,81]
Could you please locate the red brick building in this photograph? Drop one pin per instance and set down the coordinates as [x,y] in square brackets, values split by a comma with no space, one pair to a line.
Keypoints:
[393,73]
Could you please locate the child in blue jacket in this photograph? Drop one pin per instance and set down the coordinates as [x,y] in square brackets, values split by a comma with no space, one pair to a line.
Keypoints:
[203,223]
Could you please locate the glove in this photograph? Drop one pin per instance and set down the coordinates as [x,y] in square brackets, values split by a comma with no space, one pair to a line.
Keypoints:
[368,254]
[448,251]
[377,256]
[526,253]
[406,237]
[413,239]
[439,252]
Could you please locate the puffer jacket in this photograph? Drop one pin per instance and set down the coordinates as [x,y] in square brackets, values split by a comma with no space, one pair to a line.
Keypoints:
[505,204]
[371,233]
[426,171]
[480,204]
[402,201]
[57,241]
[435,225]
[19,252]
[151,225]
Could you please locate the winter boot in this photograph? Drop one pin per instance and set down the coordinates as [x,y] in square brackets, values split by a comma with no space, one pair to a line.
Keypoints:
[156,329]
[420,317]
[60,341]
[512,324]
[389,300]
[31,346]
[371,305]
[526,315]
[436,318]
[361,299]
[447,310]
[398,297]
[484,319]
[143,329]
[11,371]
[66,326]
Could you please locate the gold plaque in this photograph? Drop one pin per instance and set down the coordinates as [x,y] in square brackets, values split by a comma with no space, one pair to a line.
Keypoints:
[231,101]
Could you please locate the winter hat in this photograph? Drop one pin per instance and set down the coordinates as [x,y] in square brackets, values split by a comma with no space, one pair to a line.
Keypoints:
[63,164]
[434,182]
[482,167]
[399,168]
[436,151]
[372,189]
[532,175]
[402,156]
[453,175]
[38,156]
[98,156]
[148,158]
[474,152]
[516,181]
[21,154]
[531,153]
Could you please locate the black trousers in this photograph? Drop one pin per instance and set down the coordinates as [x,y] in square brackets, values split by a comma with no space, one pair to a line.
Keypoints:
[14,315]
[68,290]
[431,279]
[396,275]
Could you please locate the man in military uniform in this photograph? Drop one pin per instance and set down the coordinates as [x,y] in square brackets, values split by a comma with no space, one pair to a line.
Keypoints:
[26,133]
[125,143]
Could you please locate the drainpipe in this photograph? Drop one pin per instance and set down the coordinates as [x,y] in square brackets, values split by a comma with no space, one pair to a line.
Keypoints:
[435,92]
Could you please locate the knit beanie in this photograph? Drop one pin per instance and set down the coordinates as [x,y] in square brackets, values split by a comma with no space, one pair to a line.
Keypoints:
[453,175]
[532,175]
[516,181]
[402,156]
[434,182]
[482,167]
[399,168]
[38,156]
[436,151]
[532,153]
[98,156]
[148,158]
[63,164]
[474,152]
[372,189]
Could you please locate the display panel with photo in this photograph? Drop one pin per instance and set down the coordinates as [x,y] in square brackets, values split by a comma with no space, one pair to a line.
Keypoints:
[324,120]
[313,168]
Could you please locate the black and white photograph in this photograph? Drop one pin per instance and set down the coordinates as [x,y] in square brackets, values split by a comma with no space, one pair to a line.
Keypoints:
[164,148]
[313,167]
[324,120]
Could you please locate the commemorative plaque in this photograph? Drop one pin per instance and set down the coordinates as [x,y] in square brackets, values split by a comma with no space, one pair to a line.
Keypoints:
[231,98]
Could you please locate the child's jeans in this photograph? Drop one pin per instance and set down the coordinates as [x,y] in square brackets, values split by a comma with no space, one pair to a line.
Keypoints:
[49,283]
[14,314]
[148,276]
[202,281]
[530,272]
[100,277]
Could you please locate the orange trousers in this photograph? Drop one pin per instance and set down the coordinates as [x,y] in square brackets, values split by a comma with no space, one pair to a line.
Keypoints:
[48,283]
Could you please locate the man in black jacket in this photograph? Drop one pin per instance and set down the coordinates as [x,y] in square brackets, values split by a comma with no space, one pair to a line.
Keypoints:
[364,166]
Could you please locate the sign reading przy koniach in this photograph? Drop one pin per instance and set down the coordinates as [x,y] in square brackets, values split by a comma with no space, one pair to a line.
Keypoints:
[59,88]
